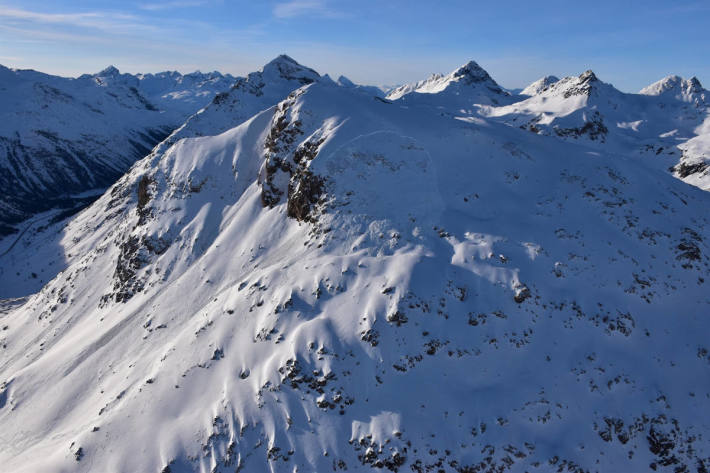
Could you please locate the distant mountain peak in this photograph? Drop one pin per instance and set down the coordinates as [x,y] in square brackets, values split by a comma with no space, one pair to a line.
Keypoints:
[588,76]
[471,73]
[695,83]
[110,71]
[686,90]
[288,68]
[464,79]
[344,81]
[539,85]
[586,84]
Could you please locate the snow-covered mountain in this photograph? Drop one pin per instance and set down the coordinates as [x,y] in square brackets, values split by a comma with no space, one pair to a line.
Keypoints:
[171,91]
[468,85]
[570,107]
[30,259]
[343,282]
[248,96]
[539,85]
[694,164]
[677,88]
[665,121]
[60,137]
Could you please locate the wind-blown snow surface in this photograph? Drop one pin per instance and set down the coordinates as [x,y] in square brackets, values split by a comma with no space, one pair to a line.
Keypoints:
[346,283]
[60,137]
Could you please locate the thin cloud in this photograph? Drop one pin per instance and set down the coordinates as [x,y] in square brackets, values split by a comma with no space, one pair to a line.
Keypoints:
[295,8]
[107,22]
[156,6]
[62,18]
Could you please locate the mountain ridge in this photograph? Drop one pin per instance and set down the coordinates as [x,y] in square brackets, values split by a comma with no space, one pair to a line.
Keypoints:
[64,136]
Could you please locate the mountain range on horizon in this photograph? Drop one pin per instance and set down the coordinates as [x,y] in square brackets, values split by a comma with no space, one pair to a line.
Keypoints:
[284,272]
[43,154]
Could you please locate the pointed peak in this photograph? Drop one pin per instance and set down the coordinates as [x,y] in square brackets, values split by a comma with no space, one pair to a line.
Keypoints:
[110,71]
[588,76]
[695,83]
[471,72]
[345,82]
[586,84]
[471,65]
[283,59]
[285,67]
[326,79]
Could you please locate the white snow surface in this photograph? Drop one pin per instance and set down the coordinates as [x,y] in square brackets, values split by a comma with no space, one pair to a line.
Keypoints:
[346,282]
[539,85]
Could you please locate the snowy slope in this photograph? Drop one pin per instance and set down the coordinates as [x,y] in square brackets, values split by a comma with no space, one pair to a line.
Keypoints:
[539,85]
[366,89]
[60,137]
[345,283]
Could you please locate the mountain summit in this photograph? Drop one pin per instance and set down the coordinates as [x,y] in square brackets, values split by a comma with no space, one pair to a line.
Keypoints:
[286,68]
[686,90]
[248,96]
[467,85]
[539,85]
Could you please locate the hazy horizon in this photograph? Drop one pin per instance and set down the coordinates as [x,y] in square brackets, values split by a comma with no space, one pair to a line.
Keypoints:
[628,46]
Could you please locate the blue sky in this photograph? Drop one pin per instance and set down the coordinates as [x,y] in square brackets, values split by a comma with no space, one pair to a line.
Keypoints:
[627,43]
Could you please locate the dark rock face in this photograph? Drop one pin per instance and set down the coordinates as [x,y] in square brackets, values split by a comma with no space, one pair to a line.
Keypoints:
[685,170]
[304,191]
[695,86]
[593,127]
[286,169]
[587,81]
[143,198]
[472,73]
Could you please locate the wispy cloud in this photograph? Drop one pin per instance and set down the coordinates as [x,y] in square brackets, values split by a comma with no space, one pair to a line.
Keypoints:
[62,18]
[106,21]
[156,6]
[95,23]
[294,8]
